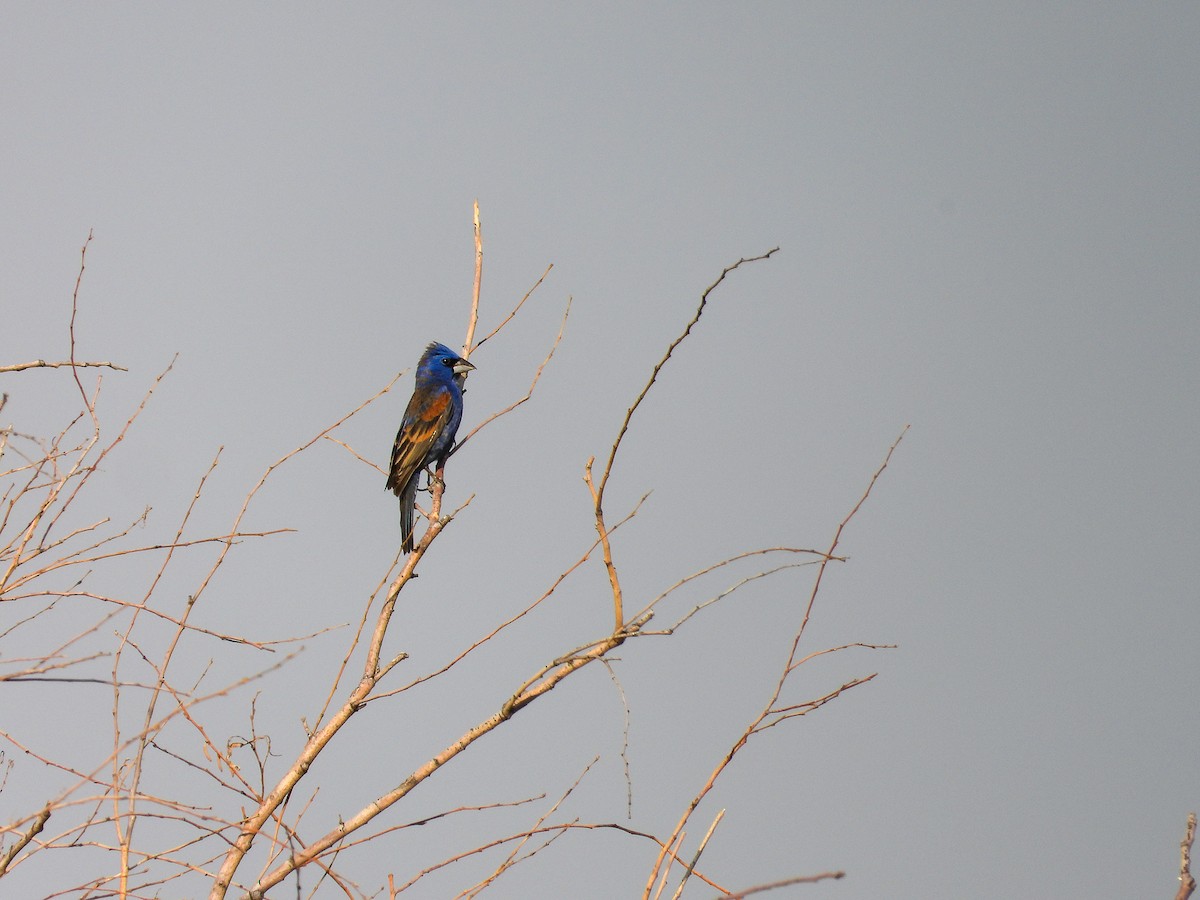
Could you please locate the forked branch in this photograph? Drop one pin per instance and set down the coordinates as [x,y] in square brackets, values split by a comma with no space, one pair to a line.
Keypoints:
[772,713]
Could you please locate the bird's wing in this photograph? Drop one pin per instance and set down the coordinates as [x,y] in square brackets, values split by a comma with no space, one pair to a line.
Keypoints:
[426,417]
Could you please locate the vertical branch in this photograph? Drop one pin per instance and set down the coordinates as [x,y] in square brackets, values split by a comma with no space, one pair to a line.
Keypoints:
[1187,884]
[614,582]
[91,407]
[470,339]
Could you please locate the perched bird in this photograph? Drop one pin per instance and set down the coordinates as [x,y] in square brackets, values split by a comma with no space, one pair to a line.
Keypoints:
[427,430]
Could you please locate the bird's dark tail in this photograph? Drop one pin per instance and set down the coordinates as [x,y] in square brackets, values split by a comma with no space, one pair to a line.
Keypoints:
[408,501]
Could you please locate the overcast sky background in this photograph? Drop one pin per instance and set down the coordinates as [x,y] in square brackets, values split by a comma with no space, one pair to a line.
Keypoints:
[989,222]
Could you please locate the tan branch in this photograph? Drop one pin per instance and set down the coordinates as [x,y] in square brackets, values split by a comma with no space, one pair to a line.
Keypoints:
[662,362]
[775,885]
[91,405]
[529,393]
[81,473]
[530,691]
[614,581]
[513,857]
[491,334]
[320,738]
[691,867]
[555,585]
[564,826]
[31,832]
[468,342]
[772,714]
[829,554]
[425,820]
[42,364]
[597,491]
[1187,884]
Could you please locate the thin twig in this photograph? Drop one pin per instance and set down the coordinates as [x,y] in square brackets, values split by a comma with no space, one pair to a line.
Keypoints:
[512,858]
[772,714]
[624,737]
[491,334]
[564,826]
[91,407]
[612,455]
[775,885]
[533,384]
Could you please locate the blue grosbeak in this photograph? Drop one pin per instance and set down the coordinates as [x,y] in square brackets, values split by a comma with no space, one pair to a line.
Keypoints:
[427,430]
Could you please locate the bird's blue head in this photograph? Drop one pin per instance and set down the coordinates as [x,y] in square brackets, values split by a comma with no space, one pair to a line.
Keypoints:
[440,363]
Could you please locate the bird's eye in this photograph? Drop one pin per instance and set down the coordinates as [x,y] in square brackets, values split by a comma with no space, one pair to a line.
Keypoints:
[448,362]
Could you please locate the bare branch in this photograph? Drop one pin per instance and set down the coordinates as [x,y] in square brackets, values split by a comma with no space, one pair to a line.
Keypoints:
[91,406]
[516,309]
[426,820]
[614,581]
[512,858]
[775,885]
[612,674]
[691,867]
[597,492]
[557,583]
[30,833]
[829,554]
[772,714]
[533,384]
[259,803]
[766,573]
[469,340]
[544,681]
[612,455]
[1187,884]
[42,364]
[544,829]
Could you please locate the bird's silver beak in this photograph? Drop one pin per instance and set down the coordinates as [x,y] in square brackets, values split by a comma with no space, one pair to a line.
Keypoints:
[462,367]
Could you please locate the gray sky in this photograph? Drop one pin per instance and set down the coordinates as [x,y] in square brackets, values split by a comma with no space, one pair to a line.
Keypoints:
[988,222]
